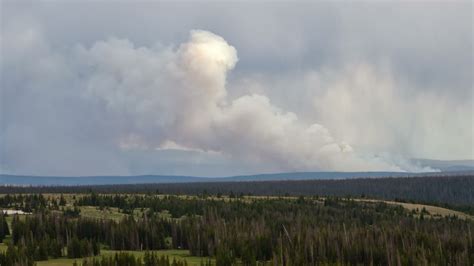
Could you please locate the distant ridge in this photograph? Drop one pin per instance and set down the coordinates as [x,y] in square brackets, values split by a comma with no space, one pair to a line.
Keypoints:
[18,180]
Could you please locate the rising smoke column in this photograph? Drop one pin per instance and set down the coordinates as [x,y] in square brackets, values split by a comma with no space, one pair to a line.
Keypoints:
[178,95]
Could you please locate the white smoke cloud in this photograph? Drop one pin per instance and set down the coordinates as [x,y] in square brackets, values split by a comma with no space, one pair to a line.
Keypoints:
[377,112]
[89,105]
[179,96]
[73,105]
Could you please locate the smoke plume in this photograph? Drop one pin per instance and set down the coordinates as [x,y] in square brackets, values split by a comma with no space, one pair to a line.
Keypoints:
[179,96]
[116,96]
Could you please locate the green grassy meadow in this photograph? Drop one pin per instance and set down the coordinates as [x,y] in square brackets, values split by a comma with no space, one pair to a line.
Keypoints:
[172,254]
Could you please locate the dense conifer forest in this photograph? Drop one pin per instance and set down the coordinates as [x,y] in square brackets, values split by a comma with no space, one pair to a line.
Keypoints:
[450,191]
[227,225]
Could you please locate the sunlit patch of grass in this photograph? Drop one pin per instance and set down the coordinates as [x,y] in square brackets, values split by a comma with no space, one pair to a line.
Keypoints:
[433,211]
[172,254]
[105,213]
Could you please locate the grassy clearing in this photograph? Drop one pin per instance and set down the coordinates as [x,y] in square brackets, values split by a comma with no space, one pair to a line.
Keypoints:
[172,254]
[114,213]
[433,210]
[106,213]
[58,262]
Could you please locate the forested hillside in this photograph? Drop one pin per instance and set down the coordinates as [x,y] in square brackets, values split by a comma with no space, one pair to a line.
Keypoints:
[234,230]
[452,190]
[306,222]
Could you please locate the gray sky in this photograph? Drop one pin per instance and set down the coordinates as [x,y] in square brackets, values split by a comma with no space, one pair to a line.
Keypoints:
[109,87]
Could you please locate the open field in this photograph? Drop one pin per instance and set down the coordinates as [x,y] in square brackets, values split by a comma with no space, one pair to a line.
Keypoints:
[434,211]
[172,254]
[106,213]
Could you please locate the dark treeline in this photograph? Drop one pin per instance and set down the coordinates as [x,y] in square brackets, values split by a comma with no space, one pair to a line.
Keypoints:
[450,190]
[44,236]
[16,256]
[26,203]
[175,205]
[4,229]
[302,231]
[82,235]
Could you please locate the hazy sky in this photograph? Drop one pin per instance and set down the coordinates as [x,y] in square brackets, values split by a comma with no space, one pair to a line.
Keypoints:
[206,88]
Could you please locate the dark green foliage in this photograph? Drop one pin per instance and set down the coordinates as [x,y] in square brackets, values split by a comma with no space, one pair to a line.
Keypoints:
[4,229]
[26,203]
[73,213]
[340,232]
[265,231]
[173,204]
[302,231]
[81,234]
[44,235]
[225,256]
[62,200]
[16,256]
[82,248]
[436,189]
